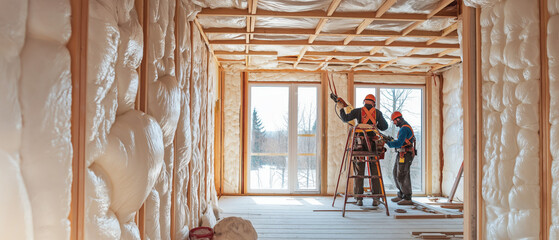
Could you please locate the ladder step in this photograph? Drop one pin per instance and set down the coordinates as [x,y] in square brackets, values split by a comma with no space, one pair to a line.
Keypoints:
[364,160]
[361,176]
[362,195]
[363,154]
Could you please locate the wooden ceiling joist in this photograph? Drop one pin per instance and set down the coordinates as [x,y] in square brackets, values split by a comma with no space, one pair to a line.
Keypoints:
[335,43]
[308,32]
[439,66]
[332,54]
[444,33]
[331,9]
[227,12]
[381,10]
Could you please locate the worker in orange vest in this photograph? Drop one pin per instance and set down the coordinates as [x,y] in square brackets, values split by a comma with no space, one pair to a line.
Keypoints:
[368,114]
[405,146]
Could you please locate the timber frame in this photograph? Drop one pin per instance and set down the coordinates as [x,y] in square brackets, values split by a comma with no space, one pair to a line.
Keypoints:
[446,9]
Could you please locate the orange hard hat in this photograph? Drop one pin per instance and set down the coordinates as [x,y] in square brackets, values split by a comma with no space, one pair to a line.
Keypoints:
[370,97]
[396,115]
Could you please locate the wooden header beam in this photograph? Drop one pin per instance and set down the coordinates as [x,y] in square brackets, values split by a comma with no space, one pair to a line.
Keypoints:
[333,54]
[226,12]
[309,32]
[335,43]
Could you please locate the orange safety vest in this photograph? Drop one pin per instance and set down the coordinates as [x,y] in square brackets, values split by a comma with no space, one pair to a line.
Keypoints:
[409,144]
[369,115]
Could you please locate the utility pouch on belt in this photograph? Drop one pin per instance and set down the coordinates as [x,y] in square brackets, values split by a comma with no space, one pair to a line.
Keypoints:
[402,159]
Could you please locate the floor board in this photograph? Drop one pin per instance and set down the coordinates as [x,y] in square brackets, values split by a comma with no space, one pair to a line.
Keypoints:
[295,218]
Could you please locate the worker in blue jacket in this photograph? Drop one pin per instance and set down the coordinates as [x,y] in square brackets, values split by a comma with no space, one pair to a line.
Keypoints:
[405,146]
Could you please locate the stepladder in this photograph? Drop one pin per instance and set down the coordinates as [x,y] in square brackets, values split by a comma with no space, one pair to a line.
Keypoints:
[364,149]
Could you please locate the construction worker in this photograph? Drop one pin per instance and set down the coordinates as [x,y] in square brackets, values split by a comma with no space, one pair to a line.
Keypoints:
[368,114]
[405,146]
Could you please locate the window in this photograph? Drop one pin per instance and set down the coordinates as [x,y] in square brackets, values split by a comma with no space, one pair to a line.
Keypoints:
[409,101]
[284,138]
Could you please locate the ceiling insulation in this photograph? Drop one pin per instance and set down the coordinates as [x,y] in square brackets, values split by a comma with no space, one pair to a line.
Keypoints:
[371,35]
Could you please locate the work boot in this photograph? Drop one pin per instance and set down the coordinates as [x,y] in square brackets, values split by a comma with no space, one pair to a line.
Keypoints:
[359,203]
[375,202]
[405,202]
[396,199]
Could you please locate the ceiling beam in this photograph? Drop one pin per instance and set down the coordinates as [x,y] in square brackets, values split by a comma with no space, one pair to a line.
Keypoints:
[331,9]
[416,24]
[445,32]
[439,66]
[446,52]
[381,10]
[365,33]
[332,54]
[335,43]
[227,12]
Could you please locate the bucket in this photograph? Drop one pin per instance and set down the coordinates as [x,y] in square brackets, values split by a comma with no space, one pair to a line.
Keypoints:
[201,233]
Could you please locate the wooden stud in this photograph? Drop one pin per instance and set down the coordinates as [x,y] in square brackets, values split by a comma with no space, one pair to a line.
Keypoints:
[77,46]
[143,88]
[479,121]
[175,164]
[244,131]
[324,139]
[429,129]
[546,179]
[441,153]
[227,12]
[470,99]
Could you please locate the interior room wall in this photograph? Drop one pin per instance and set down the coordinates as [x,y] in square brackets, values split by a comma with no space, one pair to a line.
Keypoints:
[35,149]
[232,127]
[129,153]
[453,131]
[510,64]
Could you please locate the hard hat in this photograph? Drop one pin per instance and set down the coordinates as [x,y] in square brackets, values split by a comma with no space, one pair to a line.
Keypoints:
[396,115]
[370,97]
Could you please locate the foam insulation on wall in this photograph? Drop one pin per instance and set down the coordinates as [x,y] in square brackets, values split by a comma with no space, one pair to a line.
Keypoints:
[183,145]
[510,104]
[125,151]
[400,79]
[16,221]
[553,55]
[337,136]
[453,131]
[164,105]
[435,134]
[232,137]
[46,147]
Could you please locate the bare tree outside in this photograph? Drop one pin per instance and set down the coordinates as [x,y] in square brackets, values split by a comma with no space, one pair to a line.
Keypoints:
[399,99]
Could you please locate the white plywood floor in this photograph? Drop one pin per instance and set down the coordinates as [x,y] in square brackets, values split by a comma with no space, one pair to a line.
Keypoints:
[281,217]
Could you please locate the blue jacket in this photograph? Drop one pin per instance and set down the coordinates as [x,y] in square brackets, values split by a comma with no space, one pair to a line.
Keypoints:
[403,134]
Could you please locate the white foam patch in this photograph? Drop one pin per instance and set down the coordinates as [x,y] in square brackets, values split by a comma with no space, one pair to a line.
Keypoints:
[337,136]
[231,109]
[511,78]
[46,149]
[453,131]
[16,220]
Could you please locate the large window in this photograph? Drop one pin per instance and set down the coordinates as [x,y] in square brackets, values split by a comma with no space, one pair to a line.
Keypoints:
[284,138]
[408,101]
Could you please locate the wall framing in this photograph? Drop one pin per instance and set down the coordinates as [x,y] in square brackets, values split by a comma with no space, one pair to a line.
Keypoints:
[77,46]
